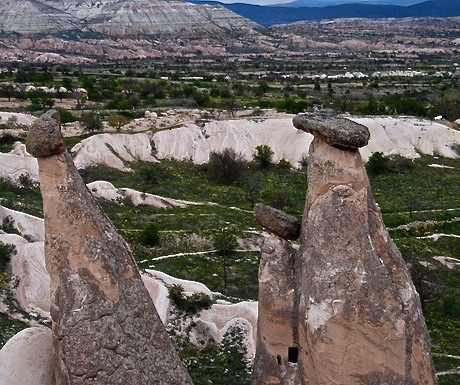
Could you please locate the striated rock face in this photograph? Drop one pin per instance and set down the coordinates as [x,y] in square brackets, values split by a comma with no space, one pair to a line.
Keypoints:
[142,17]
[119,18]
[359,316]
[106,329]
[30,17]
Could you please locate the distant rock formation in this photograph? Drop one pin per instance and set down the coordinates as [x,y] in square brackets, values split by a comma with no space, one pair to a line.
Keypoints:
[106,329]
[120,18]
[342,310]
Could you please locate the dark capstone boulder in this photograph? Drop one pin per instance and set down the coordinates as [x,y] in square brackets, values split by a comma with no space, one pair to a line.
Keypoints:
[278,222]
[45,138]
[337,131]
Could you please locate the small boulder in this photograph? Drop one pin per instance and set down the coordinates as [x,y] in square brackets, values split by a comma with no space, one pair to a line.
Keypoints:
[27,358]
[45,138]
[278,222]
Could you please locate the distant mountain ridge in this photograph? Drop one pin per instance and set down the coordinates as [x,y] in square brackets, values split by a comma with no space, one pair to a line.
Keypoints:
[268,16]
[327,3]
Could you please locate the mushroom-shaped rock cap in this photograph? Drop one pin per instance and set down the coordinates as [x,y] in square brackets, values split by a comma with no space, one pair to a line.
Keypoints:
[44,137]
[337,131]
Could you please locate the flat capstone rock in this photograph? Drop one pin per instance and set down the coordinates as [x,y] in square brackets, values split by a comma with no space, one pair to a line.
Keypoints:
[336,130]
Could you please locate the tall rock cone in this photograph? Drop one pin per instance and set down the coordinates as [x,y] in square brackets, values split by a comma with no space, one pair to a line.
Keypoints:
[106,329]
[359,315]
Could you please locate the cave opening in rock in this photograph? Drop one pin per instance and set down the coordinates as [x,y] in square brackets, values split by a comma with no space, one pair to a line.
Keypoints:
[293,355]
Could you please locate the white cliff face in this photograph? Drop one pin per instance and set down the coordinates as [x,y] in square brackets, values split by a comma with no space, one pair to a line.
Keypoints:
[117,18]
[29,17]
[405,136]
[141,17]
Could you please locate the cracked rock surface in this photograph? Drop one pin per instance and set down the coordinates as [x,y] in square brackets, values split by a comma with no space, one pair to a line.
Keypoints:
[105,327]
[357,316]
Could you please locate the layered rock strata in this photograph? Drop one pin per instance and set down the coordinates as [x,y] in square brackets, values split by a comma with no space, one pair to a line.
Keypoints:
[358,318]
[106,329]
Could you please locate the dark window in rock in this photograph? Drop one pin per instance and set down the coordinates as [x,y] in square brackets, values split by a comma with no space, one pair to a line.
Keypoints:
[293,355]
[278,359]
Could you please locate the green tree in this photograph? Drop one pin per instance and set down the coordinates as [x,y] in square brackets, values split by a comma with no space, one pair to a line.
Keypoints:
[66,115]
[225,243]
[150,235]
[117,121]
[263,156]
[7,90]
[91,120]
[317,86]
[377,164]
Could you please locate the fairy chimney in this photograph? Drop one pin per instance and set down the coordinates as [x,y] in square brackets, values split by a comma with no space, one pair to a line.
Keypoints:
[358,318]
[105,327]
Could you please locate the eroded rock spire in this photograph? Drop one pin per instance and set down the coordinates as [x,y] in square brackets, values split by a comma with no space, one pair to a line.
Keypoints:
[357,316]
[106,329]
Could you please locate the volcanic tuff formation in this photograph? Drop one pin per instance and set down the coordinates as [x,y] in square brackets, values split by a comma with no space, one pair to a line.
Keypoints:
[342,310]
[106,329]
[121,18]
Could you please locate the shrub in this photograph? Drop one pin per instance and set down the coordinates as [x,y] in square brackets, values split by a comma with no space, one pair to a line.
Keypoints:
[8,225]
[117,121]
[5,255]
[263,156]
[377,164]
[190,304]
[283,163]
[281,200]
[150,235]
[66,115]
[226,165]
[91,121]
[6,141]
[303,162]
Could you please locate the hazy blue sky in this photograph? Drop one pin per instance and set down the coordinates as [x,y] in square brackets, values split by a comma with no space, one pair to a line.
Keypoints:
[315,2]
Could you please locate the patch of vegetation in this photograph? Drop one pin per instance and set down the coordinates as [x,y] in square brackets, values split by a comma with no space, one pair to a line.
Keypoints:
[226,165]
[7,140]
[9,327]
[150,235]
[263,156]
[219,364]
[5,255]
[25,198]
[189,304]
